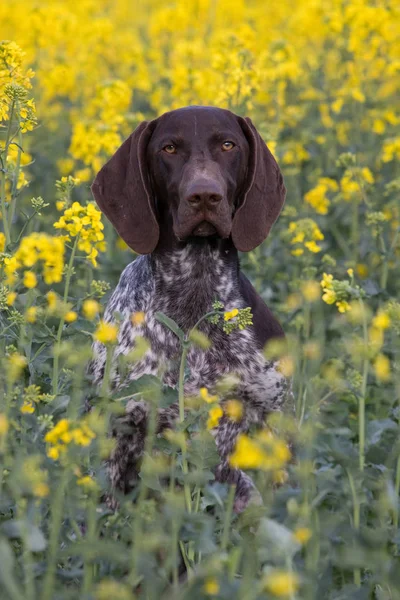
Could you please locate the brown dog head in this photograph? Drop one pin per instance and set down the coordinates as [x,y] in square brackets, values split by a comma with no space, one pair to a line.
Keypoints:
[205,167]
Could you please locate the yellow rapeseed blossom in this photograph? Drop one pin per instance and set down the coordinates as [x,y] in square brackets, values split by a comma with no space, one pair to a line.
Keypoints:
[138,318]
[16,364]
[305,233]
[11,297]
[27,408]
[40,490]
[382,368]
[381,320]
[30,279]
[211,586]
[214,415]
[106,333]
[286,365]
[85,222]
[282,584]
[233,409]
[87,482]
[317,197]
[302,535]
[231,314]
[52,301]
[31,314]
[64,433]
[4,425]
[204,395]
[37,249]
[310,290]
[91,309]
[2,240]
[343,306]
[70,316]
[265,452]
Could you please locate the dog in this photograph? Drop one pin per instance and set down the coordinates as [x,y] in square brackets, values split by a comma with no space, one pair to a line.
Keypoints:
[187,191]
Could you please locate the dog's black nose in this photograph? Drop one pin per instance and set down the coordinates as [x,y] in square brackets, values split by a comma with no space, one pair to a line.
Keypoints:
[203,196]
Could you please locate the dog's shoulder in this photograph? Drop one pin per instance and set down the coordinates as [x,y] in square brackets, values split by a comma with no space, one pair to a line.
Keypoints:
[134,289]
[265,325]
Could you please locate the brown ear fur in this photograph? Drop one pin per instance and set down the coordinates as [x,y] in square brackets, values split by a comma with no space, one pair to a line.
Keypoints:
[122,191]
[264,195]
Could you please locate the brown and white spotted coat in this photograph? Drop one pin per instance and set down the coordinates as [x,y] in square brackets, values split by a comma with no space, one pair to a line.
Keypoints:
[192,261]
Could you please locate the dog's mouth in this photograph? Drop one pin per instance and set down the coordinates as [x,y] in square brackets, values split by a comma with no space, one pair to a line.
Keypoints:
[204,229]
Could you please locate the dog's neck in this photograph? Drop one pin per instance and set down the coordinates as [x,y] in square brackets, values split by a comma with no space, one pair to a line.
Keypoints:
[190,276]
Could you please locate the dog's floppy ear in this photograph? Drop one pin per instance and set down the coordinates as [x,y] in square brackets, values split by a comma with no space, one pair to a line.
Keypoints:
[264,193]
[122,191]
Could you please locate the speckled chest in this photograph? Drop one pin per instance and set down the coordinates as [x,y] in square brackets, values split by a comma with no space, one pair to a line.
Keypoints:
[183,286]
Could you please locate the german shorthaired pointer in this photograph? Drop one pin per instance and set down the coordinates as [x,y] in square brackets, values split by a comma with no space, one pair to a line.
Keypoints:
[187,191]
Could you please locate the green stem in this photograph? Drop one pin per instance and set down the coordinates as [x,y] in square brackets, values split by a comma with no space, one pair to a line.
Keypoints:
[361,409]
[62,320]
[14,193]
[385,269]
[397,491]
[137,533]
[89,564]
[355,230]
[54,531]
[356,520]
[3,179]
[227,518]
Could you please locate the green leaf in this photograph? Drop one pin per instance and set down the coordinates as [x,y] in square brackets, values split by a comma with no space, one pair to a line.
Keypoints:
[33,536]
[170,323]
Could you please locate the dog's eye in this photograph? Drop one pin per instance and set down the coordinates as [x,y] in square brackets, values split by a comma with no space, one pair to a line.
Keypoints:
[170,149]
[227,145]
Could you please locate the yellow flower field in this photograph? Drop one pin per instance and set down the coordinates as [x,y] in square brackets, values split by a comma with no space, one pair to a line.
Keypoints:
[321,81]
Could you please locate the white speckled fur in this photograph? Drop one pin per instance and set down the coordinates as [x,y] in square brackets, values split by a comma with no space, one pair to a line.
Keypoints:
[183,284]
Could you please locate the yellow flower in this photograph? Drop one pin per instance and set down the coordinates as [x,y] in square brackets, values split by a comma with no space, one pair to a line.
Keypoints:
[53,452]
[234,410]
[214,416]
[302,535]
[297,252]
[282,584]
[52,300]
[31,314]
[286,365]
[350,272]
[211,586]
[30,279]
[381,321]
[382,368]
[37,248]
[27,408]
[362,270]
[247,454]
[343,306]
[106,333]
[85,222]
[87,482]
[326,281]
[91,309]
[70,316]
[310,290]
[3,424]
[2,239]
[41,490]
[231,314]
[16,364]
[204,395]
[329,296]
[138,318]
[52,436]
[11,296]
